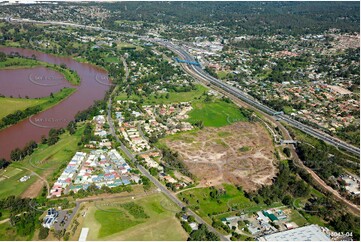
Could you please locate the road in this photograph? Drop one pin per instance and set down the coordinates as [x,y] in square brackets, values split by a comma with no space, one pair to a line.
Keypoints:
[198,71]
[173,197]
[145,172]
[285,134]
[200,74]
[40,177]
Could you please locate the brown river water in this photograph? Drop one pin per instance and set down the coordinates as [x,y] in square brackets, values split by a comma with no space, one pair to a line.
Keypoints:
[40,82]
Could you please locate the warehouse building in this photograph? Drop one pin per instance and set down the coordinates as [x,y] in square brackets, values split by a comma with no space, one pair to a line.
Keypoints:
[307,233]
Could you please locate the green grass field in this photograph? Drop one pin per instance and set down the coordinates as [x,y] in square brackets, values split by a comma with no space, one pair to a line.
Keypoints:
[287,109]
[161,223]
[209,206]
[10,172]
[217,113]
[121,45]
[8,233]
[45,161]
[298,218]
[11,105]
[174,97]
[18,62]
[222,74]
[111,59]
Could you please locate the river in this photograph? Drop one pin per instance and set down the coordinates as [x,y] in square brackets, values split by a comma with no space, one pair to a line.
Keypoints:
[40,82]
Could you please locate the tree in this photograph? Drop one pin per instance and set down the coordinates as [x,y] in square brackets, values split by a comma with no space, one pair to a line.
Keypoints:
[287,151]
[186,227]
[4,163]
[54,136]
[71,127]
[191,219]
[146,183]
[153,171]
[287,200]
[2,57]
[59,233]
[43,233]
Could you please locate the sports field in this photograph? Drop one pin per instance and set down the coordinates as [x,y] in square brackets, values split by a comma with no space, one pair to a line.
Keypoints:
[147,218]
[216,113]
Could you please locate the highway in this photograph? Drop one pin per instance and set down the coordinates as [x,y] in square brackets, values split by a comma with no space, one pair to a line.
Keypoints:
[145,172]
[352,207]
[198,71]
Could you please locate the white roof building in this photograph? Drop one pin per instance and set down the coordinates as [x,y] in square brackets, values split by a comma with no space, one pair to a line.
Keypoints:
[83,234]
[307,233]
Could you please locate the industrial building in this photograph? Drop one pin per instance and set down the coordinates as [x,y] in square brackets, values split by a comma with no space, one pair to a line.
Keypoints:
[307,233]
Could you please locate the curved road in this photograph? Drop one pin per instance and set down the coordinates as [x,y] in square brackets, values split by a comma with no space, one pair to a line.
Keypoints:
[197,71]
[228,88]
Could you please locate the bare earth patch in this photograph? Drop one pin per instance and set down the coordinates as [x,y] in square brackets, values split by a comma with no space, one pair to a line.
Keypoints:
[241,154]
[33,190]
[342,42]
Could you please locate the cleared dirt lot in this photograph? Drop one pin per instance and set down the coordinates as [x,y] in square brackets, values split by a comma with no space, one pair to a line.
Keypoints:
[241,153]
[33,190]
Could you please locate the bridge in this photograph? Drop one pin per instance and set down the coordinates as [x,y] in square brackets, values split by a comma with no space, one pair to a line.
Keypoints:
[187,62]
[288,142]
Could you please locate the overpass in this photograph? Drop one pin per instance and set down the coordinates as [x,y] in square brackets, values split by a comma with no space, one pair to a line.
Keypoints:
[255,103]
[228,88]
[285,142]
[187,62]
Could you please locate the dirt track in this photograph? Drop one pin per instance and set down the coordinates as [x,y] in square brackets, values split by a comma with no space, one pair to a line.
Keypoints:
[215,155]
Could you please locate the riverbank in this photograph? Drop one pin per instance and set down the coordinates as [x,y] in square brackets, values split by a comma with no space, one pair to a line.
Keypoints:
[58,116]
[12,63]
[18,115]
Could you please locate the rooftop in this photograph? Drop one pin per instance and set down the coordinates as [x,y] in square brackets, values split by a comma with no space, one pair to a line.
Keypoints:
[307,233]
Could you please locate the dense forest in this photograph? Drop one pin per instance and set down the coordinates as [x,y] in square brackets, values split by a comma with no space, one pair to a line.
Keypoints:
[228,18]
[244,17]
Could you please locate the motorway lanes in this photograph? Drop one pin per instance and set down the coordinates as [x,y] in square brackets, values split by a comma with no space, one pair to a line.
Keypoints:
[234,91]
[250,100]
